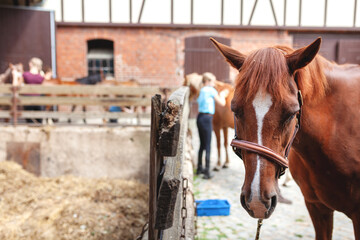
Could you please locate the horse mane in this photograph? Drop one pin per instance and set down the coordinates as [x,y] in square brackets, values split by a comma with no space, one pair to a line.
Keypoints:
[266,69]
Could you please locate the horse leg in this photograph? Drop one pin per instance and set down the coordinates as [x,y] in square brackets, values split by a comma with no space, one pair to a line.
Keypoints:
[356,223]
[322,218]
[72,110]
[225,133]
[218,141]
[84,110]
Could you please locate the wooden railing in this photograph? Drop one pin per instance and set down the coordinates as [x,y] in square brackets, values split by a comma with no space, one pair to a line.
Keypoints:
[84,95]
[171,202]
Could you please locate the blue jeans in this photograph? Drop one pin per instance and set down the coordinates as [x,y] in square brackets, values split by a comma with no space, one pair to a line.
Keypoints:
[204,124]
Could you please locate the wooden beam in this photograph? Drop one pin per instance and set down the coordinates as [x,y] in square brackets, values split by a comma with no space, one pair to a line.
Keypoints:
[82,10]
[174,167]
[40,100]
[192,12]
[77,115]
[84,90]
[172,12]
[139,117]
[252,12]
[285,3]
[273,11]
[130,11]
[172,139]
[242,11]
[300,12]
[168,191]
[222,12]
[211,26]
[62,10]
[171,123]
[155,162]
[170,127]
[141,11]
[355,11]
[325,12]
[110,11]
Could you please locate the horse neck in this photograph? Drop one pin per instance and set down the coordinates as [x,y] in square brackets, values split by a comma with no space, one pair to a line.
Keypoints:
[325,123]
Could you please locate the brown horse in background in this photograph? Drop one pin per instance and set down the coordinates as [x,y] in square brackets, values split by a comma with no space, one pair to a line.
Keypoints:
[324,158]
[13,74]
[223,117]
[94,80]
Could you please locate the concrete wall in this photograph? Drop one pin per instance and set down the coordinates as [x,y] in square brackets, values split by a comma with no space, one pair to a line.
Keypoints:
[120,152]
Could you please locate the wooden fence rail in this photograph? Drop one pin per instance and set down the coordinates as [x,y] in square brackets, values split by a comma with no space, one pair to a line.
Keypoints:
[82,89]
[95,95]
[171,202]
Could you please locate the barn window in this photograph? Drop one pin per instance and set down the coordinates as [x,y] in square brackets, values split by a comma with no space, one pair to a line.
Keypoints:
[100,57]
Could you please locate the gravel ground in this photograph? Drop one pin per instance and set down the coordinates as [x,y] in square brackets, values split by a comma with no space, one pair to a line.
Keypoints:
[290,222]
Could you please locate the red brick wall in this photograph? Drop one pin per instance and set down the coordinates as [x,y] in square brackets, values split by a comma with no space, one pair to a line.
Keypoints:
[153,56]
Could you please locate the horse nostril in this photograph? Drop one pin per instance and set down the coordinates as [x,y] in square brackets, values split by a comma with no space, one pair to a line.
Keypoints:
[243,202]
[273,202]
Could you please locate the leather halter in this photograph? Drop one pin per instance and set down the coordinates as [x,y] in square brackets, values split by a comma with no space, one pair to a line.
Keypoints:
[266,152]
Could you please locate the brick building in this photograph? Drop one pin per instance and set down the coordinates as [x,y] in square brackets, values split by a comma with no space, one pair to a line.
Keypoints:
[135,41]
[154,56]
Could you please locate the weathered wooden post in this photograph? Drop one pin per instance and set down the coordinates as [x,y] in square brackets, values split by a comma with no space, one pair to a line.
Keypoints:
[155,161]
[173,201]
[14,104]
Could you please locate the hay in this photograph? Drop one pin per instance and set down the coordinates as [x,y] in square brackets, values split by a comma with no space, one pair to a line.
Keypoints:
[69,207]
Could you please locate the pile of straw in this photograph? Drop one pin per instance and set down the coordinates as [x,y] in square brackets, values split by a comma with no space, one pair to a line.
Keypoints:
[69,207]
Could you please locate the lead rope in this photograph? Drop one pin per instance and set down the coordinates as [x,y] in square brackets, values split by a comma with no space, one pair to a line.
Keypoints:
[258,229]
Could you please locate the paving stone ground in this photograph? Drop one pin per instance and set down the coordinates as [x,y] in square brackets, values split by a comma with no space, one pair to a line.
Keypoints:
[291,222]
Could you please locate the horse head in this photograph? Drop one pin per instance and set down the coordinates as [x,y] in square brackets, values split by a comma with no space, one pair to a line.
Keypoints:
[194,82]
[16,72]
[265,106]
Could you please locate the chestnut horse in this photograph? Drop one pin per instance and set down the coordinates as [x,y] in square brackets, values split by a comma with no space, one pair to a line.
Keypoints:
[324,159]
[93,80]
[223,117]
[13,74]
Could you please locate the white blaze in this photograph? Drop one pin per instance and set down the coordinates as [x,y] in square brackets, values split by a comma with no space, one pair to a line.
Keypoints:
[262,103]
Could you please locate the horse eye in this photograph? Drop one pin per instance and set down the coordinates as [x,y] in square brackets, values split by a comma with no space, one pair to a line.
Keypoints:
[238,114]
[291,117]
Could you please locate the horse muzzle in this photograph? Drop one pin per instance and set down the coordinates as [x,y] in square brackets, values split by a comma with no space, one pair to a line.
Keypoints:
[259,207]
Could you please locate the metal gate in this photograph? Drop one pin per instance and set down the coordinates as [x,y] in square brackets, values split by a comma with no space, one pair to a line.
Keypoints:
[201,56]
[26,33]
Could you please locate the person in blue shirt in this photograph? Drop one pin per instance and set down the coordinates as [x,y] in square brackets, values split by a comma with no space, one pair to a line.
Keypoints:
[206,101]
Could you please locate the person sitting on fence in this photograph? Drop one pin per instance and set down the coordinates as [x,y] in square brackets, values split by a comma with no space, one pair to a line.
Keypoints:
[206,100]
[35,75]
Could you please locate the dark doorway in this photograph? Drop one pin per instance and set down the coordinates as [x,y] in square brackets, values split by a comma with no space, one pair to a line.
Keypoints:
[26,33]
[201,56]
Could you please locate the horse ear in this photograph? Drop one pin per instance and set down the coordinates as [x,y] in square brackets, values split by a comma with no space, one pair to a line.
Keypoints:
[232,56]
[303,56]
